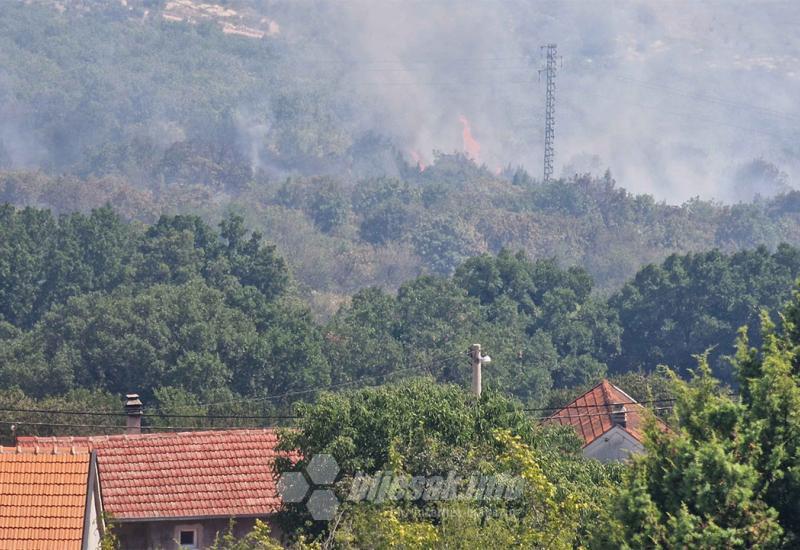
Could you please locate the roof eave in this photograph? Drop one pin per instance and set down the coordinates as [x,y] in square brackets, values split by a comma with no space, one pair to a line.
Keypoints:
[118,519]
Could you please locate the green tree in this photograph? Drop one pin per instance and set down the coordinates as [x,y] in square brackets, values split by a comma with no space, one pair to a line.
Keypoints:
[697,486]
[552,302]
[418,427]
[770,389]
[184,336]
[696,302]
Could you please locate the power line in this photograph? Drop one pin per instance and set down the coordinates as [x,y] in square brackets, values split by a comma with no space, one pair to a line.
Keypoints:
[115,427]
[586,415]
[402,66]
[52,411]
[160,415]
[225,417]
[426,367]
[163,414]
[460,84]
[284,416]
[718,100]
[662,111]
[670,399]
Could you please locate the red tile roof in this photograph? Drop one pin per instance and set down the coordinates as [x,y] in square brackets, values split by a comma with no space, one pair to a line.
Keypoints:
[590,413]
[182,475]
[42,499]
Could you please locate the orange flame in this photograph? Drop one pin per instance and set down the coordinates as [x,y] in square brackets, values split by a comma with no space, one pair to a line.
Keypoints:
[417,158]
[471,145]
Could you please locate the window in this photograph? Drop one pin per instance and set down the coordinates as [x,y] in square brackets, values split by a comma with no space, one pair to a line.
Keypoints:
[187,538]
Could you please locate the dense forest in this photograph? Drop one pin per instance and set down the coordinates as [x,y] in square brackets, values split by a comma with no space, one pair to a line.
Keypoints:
[186,313]
[218,123]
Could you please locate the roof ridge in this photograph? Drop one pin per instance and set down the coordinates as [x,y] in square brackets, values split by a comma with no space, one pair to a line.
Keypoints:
[605,387]
[575,401]
[631,400]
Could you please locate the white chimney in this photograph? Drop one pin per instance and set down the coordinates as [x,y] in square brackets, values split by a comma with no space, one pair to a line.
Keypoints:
[619,415]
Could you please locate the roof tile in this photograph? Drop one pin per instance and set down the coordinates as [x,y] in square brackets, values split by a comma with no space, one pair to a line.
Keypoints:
[182,474]
[590,413]
[42,499]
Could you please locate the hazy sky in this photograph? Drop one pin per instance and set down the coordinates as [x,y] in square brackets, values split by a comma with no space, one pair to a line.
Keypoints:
[676,98]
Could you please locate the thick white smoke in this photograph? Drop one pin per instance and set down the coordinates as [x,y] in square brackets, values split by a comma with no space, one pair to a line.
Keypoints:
[676,98]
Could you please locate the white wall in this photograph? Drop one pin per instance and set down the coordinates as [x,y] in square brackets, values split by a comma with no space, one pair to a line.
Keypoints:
[615,444]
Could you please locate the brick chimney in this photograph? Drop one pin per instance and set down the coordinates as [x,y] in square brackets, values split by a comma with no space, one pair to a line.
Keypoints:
[619,415]
[133,407]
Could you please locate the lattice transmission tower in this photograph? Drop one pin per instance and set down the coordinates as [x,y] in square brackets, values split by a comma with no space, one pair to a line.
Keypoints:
[550,109]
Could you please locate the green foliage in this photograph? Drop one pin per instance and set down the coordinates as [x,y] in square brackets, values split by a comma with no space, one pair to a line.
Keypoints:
[182,336]
[416,422]
[547,519]
[215,119]
[109,539]
[771,396]
[92,302]
[44,261]
[48,423]
[552,303]
[696,302]
[699,485]
[539,322]
[257,539]
[443,244]
[421,428]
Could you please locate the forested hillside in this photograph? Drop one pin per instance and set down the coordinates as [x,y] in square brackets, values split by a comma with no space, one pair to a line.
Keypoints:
[187,314]
[183,117]
[148,164]
[341,235]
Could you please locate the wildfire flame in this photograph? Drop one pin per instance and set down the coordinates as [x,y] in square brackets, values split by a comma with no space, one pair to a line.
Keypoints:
[417,158]
[471,145]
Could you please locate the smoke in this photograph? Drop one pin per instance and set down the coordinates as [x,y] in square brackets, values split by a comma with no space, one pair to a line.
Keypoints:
[19,148]
[677,99]
[674,97]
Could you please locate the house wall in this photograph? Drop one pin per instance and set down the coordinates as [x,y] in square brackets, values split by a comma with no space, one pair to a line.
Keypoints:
[615,445]
[163,535]
[92,521]
[91,539]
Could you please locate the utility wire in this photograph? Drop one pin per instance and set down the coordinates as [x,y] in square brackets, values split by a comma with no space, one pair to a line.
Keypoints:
[718,100]
[286,416]
[52,411]
[670,399]
[586,415]
[427,367]
[225,417]
[120,427]
[160,415]
[175,428]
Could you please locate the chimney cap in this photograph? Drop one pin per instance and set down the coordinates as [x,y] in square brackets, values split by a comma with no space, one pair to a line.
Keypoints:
[619,415]
[133,405]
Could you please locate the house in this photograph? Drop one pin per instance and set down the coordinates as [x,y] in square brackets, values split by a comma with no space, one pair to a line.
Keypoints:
[49,500]
[609,421]
[179,489]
